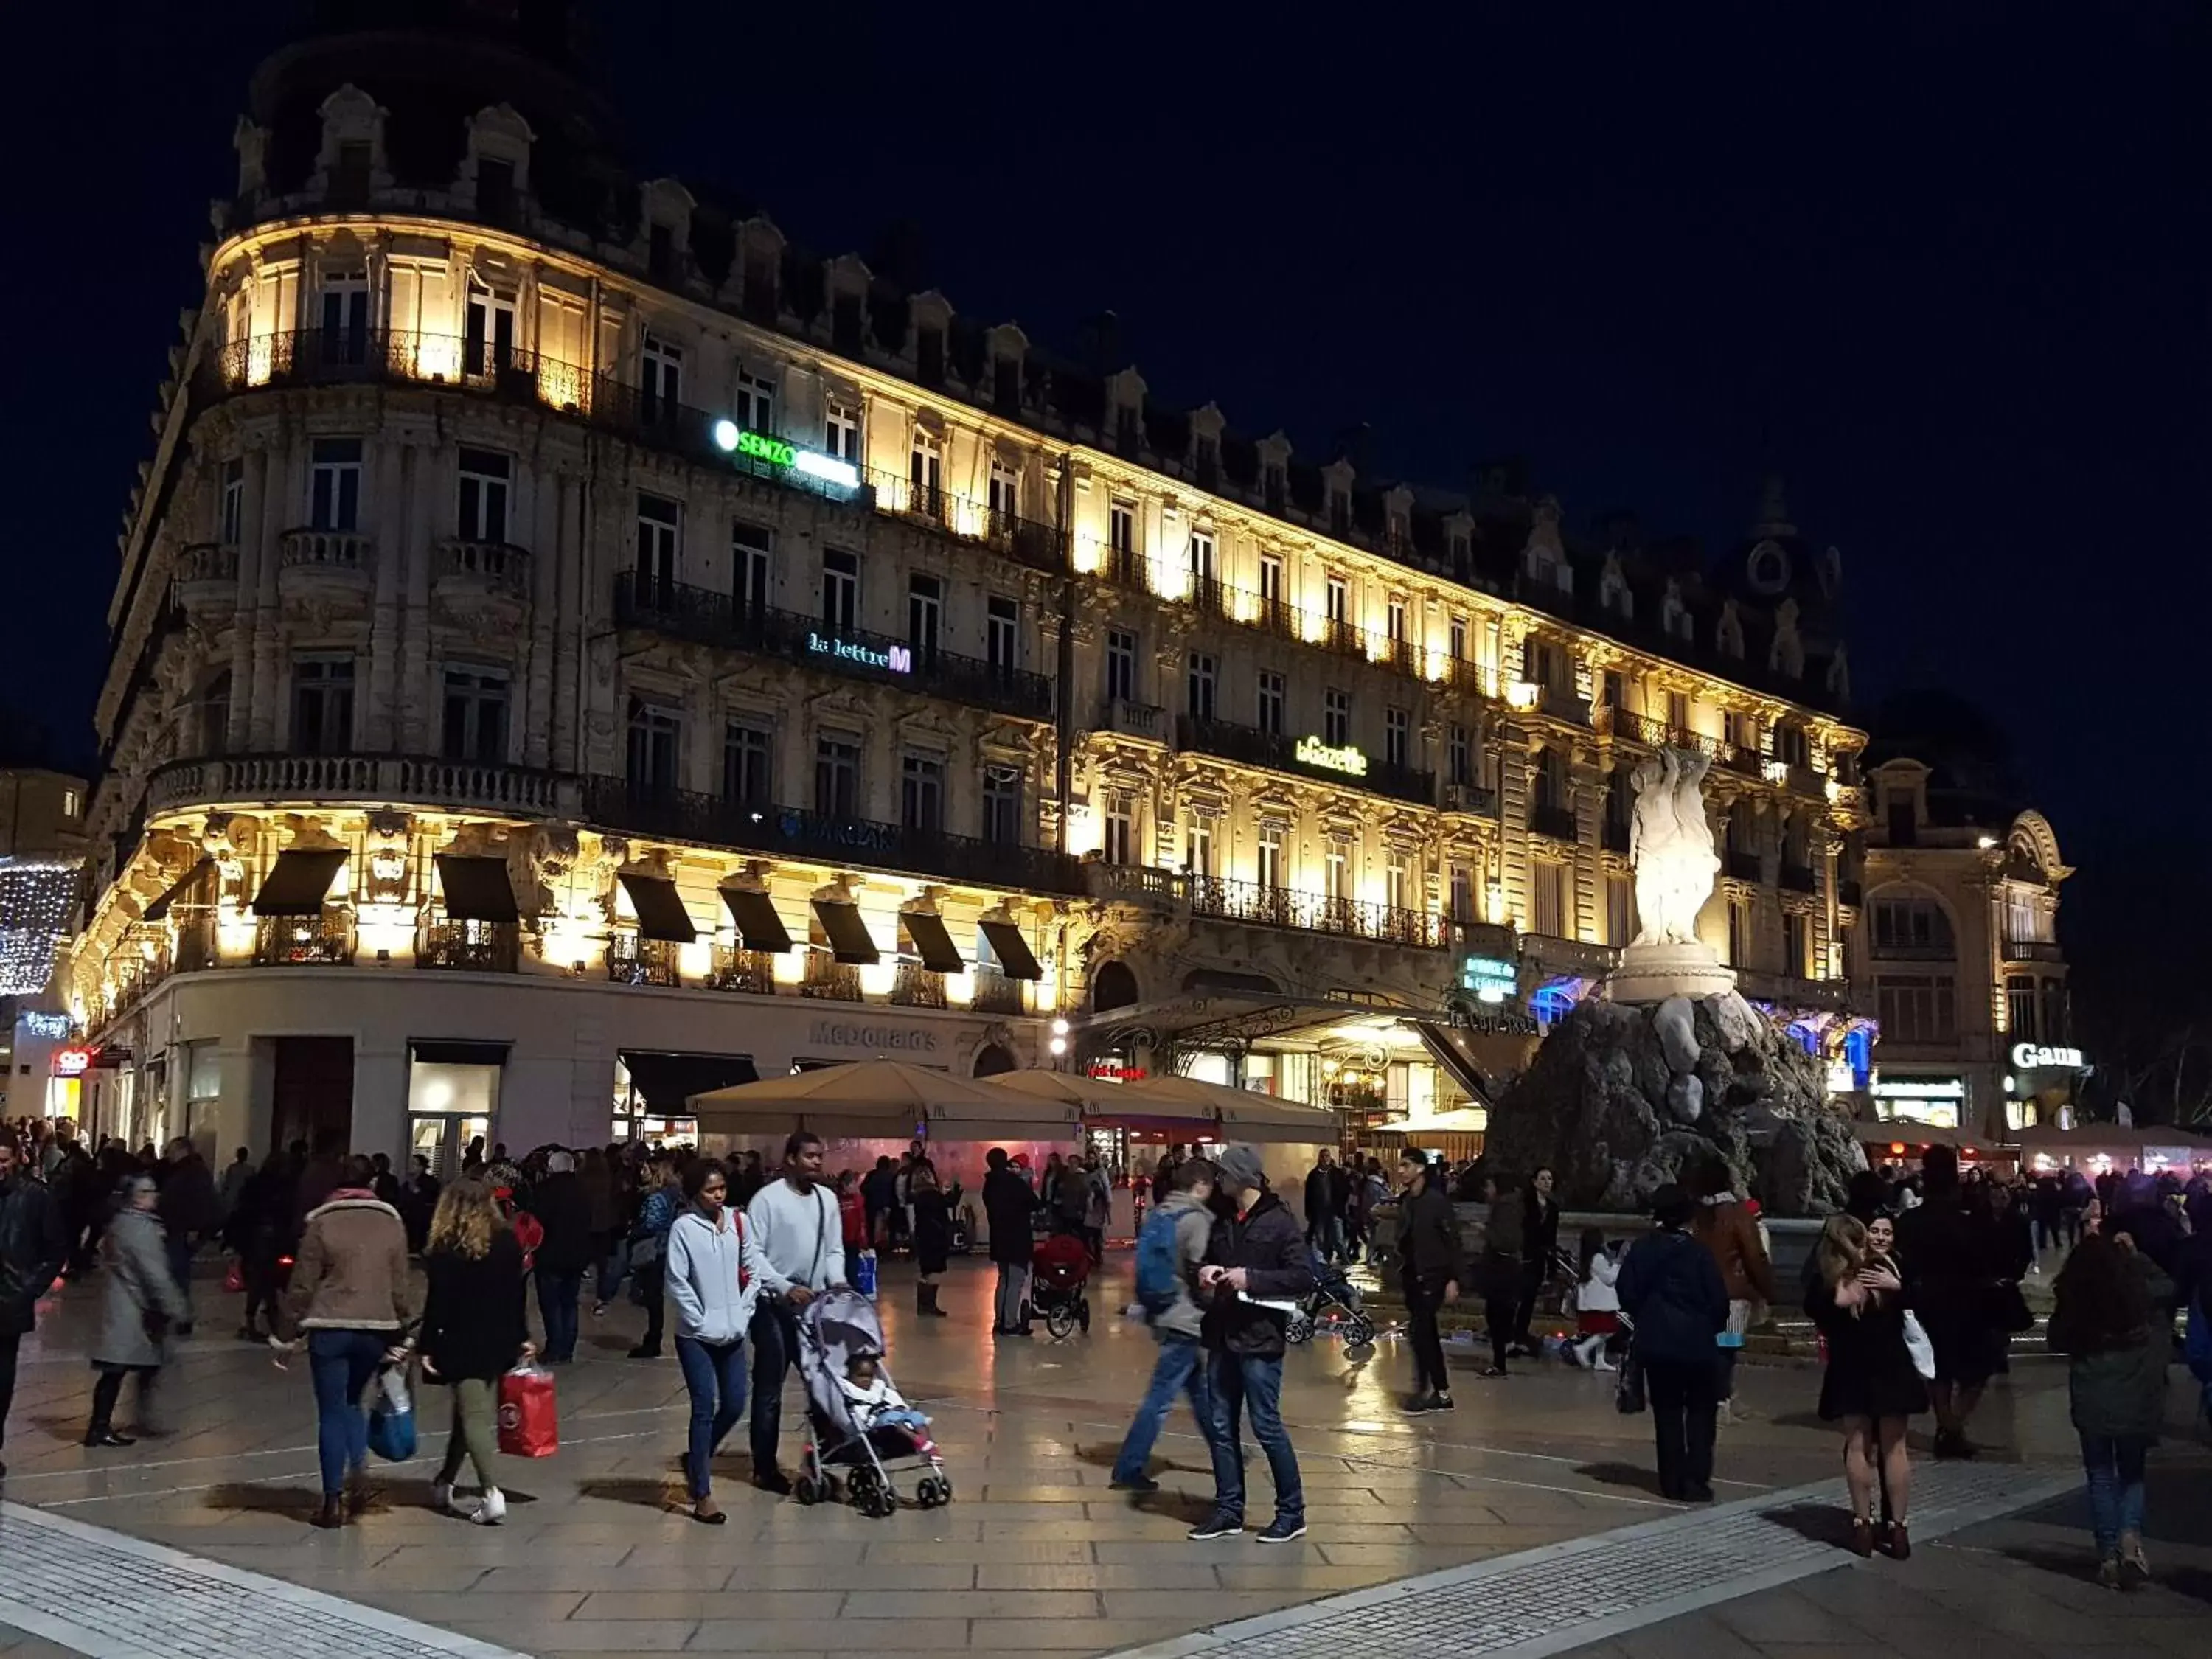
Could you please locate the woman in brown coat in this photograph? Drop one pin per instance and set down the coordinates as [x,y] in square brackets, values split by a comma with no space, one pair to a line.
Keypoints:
[1727,1226]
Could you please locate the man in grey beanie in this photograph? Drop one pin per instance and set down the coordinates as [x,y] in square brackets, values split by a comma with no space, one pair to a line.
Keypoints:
[1256,1256]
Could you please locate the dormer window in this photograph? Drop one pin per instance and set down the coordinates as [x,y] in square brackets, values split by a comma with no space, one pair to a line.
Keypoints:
[350,173]
[1275,486]
[660,254]
[1727,637]
[1126,432]
[1340,512]
[846,331]
[1401,530]
[1205,461]
[928,347]
[1461,546]
[1006,386]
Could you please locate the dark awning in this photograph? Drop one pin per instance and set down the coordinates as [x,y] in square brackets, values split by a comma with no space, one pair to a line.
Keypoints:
[667,1081]
[1015,957]
[757,921]
[476,889]
[660,912]
[848,934]
[299,882]
[159,907]
[456,1051]
[939,953]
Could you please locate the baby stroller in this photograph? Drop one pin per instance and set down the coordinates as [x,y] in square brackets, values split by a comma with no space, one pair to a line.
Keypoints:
[1059,1268]
[1335,1298]
[844,1457]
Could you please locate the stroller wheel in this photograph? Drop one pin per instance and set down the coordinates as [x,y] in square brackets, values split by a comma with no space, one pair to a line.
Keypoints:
[885,1504]
[809,1489]
[1060,1321]
[931,1493]
[862,1488]
[1300,1328]
[1082,1315]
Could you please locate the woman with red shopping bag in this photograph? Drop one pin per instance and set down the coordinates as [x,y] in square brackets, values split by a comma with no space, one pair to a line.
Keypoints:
[473,1328]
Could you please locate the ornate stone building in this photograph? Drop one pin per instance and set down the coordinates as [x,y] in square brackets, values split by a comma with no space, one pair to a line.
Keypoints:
[574,646]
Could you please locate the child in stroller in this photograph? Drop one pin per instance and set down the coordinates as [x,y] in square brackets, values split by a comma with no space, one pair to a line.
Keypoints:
[862,1429]
[1059,1268]
[1336,1298]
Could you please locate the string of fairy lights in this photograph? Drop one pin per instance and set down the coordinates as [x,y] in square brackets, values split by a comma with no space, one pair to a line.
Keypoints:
[36,897]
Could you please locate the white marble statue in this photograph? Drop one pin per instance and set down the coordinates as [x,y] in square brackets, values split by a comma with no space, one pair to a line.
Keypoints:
[1671,847]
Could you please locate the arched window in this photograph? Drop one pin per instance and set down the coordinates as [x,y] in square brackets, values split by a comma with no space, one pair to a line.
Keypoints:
[1113,986]
[1912,923]
[993,1059]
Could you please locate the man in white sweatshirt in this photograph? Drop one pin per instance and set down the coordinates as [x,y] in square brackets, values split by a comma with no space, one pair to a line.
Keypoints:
[801,1234]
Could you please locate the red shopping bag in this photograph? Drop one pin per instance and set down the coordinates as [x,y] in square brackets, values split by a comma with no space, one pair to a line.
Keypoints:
[528,1422]
[233,1280]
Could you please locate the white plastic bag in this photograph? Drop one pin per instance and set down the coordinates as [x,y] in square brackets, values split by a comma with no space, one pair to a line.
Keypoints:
[1918,1345]
[391,1388]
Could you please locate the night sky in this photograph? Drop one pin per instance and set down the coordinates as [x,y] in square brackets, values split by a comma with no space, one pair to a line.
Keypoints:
[1944,267]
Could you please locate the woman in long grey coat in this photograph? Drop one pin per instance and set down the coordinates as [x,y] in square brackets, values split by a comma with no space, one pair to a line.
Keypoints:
[141,1302]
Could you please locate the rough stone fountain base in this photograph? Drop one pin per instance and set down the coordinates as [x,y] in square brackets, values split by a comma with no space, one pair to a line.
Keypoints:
[1621,1098]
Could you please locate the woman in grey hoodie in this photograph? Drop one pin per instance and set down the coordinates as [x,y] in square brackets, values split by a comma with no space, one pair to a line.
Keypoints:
[714,1270]
[141,1302]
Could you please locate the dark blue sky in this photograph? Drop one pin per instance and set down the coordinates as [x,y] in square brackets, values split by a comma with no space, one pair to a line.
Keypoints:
[1946,267]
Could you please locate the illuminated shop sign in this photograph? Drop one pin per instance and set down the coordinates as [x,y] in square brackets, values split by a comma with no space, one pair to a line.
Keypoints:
[1312,751]
[734,439]
[893,658]
[2027,1056]
[72,1062]
[1113,1071]
[1920,1088]
[1491,980]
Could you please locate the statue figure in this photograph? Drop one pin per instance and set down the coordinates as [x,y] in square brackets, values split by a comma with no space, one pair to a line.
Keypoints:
[1670,847]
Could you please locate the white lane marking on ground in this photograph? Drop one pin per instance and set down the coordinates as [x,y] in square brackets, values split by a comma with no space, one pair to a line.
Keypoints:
[110,1596]
[1624,1580]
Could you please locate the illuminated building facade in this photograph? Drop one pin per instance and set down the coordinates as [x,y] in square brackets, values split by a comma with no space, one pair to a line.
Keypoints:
[569,638]
[1963,969]
[41,860]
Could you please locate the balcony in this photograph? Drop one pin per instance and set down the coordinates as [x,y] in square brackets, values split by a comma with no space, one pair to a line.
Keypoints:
[996,993]
[366,780]
[913,986]
[1210,596]
[328,562]
[1790,992]
[1734,758]
[830,979]
[1471,798]
[1283,907]
[1119,567]
[1798,878]
[205,576]
[708,617]
[322,941]
[1294,755]
[1635,728]
[736,969]
[465,567]
[794,832]
[1555,823]
[1131,719]
[2032,950]
[1740,866]
[635,961]
[483,947]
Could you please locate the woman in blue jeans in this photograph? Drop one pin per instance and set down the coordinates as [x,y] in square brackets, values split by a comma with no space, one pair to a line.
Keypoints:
[2113,1316]
[350,1299]
[715,1272]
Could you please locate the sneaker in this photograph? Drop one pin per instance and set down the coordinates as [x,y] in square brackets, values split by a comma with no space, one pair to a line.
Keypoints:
[2108,1572]
[1282,1529]
[1440,1402]
[1216,1525]
[2134,1566]
[492,1510]
[442,1497]
[1418,1404]
[1133,1483]
[1493,1372]
[598,1310]
[774,1481]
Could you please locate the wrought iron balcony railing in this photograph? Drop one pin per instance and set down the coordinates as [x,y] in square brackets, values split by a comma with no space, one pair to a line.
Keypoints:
[997,993]
[913,986]
[485,947]
[376,780]
[322,941]
[632,960]
[736,969]
[1280,753]
[798,832]
[830,979]
[710,618]
[1283,907]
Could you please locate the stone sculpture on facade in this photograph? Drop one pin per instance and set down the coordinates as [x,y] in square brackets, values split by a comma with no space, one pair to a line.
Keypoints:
[1670,847]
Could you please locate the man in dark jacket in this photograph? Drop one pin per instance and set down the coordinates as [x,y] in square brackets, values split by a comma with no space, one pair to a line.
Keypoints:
[1434,1268]
[190,1211]
[1008,1204]
[564,1210]
[33,1249]
[1257,1265]
[1671,1286]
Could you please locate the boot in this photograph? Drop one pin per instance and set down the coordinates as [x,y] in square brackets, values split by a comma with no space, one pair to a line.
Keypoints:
[331,1516]
[925,1301]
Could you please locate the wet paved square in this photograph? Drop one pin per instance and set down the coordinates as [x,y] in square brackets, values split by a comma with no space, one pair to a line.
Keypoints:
[1034,1555]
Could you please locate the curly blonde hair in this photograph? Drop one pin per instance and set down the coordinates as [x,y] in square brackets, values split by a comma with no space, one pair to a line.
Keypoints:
[1842,1249]
[467,1216]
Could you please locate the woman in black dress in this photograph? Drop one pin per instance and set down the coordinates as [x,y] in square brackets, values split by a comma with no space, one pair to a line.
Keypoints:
[1870,1386]
[932,1234]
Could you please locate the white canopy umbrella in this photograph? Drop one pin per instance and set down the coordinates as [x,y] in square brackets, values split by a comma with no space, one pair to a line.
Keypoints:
[1244,1114]
[878,1100]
